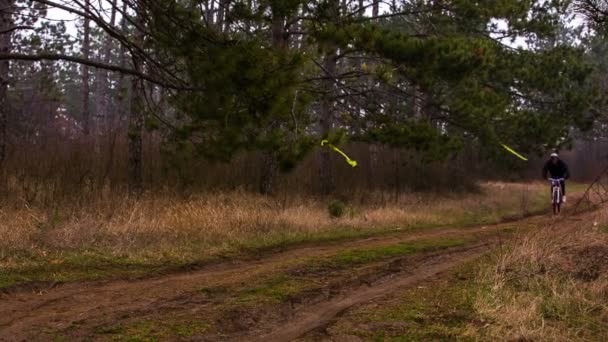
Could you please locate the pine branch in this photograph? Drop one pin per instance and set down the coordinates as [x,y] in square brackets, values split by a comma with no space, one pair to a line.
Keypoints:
[15,28]
[100,65]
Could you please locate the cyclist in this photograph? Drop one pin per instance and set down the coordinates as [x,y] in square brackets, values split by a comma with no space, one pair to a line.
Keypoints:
[556,168]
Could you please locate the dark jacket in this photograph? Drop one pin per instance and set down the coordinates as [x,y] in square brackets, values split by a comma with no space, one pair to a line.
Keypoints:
[557,170]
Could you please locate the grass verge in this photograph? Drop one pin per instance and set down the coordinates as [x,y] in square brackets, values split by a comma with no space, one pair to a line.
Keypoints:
[550,284]
[312,274]
[117,238]
[442,310]
[266,295]
[173,328]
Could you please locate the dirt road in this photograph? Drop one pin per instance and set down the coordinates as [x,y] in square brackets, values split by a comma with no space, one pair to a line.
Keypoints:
[223,296]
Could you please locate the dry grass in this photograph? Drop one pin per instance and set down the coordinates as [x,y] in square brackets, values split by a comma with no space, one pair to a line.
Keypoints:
[157,221]
[551,286]
[163,229]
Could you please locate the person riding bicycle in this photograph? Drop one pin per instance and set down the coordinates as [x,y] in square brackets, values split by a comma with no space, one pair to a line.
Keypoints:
[557,169]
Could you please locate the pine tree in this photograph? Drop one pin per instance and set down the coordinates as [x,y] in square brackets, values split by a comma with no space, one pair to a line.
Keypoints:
[6,29]
[136,113]
[473,84]
[275,77]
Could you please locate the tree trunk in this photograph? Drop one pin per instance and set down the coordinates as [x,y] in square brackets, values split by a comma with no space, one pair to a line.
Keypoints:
[135,134]
[279,40]
[373,165]
[102,87]
[123,87]
[209,11]
[86,47]
[248,25]
[221,14]
[5,47]
[397,161]
[326,114]
[223,25]
[118,109]
[326,123]
[136,118]
[376,8]
[418,104]
[296,42]
[270,165]
[270,168]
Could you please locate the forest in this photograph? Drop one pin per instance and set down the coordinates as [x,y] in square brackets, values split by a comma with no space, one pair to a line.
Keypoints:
[205,94]
[277,170]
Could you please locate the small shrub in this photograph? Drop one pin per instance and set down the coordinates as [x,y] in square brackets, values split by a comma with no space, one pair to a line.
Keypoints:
[336,209]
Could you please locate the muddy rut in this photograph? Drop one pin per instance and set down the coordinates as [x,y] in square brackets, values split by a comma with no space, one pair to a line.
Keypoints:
[311,318]
[24,314]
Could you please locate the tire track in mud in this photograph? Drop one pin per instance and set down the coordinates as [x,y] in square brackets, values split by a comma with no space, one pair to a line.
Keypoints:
[313,317]
[80,303]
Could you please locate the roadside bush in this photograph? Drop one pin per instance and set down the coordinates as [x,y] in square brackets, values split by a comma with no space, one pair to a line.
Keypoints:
[336,209]
[552,285]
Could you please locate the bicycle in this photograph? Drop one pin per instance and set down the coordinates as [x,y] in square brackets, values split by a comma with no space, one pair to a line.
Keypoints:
[556,194]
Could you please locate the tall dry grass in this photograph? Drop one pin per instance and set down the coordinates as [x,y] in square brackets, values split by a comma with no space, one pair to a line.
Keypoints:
[552,285]
[169,225]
